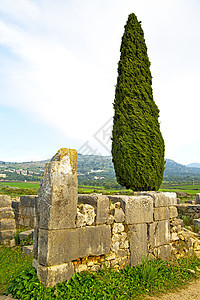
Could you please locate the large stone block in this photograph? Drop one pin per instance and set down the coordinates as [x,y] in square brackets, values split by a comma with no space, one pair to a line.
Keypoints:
[6,213]
[26,234]
[159,233]
[163,252]
[137,209]
[138,243]
[160,198]
[7,235]
[62,246]
[7,224]
[100,204]
[50,276]
[28,201]
[163,199]
[198,198]
[5,201]
[161,213]
[173,213]
[58,191]
[35,242]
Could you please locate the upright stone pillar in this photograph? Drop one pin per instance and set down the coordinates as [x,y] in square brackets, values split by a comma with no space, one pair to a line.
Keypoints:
[56,211]
[197,198]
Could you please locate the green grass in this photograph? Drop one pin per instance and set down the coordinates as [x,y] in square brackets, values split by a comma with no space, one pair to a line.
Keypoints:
[186,188]
[152,278]
[12,263]
[21,185]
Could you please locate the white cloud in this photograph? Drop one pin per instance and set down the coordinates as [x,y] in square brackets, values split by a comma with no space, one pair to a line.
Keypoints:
[63,55]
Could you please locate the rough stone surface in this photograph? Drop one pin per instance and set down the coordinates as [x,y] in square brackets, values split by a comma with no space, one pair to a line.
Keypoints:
[6,213]
[173,213]
[161,213]
[5,201]
[160,198]
[58,191]
[7,224]
[119,215]
[197,198]
[28,250]
[163,252]
[163,199]
[137,209]
[85,215]
[190,210]
[138,243]
[7,221]
[6,235]
[100,204]
[159,233]
[26,234]
[28,201]
[50,276]
[62,246]
[196,222]
[99,231]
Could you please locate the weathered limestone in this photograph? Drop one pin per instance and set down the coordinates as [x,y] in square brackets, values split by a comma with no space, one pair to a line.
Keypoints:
[159,233]
[26,234]
[138,243]
[61,246]
[25,211]
[197,198]
[7,221]
[97,232]
[57,240]
[190,210]
[162,252]
[100,204]
[58,191]
[85,215]
[49,276]
[137,209]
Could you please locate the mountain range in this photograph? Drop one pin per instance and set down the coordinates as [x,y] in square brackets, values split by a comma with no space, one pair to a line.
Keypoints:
[86,163]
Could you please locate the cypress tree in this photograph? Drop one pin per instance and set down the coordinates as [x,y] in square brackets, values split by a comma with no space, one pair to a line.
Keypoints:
[137,143]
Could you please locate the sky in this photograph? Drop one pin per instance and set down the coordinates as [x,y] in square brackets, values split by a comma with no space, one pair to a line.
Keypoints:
[59,70]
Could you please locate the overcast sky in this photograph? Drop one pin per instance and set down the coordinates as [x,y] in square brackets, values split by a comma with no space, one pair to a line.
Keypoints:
[59,70]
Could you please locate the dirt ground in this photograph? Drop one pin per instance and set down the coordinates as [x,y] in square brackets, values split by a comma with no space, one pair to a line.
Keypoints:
[191,292]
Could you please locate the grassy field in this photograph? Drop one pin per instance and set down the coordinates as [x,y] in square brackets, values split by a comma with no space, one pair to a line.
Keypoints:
[32,187]
[186,188]
[12,262]
[21,185]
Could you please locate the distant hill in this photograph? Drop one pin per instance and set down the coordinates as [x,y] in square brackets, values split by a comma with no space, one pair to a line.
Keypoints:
[176,169]
[193,165]
[92,167]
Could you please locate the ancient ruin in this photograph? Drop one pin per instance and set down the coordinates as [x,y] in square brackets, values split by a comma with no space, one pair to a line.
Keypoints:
[75,233]
[87,232]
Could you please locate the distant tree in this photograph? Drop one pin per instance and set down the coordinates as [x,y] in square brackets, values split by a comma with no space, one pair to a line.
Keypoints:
[137,143]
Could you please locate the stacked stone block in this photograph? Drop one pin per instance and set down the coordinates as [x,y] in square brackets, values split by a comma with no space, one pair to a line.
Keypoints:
[190,210]
[25,211]
[7,221]
[76,233]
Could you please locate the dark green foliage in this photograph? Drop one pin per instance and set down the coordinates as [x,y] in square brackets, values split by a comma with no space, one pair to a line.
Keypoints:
[138,145]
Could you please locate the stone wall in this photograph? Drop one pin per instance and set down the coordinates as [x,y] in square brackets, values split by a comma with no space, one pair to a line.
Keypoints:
[24,211]
[7,221]
[190,208]
[87,232]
